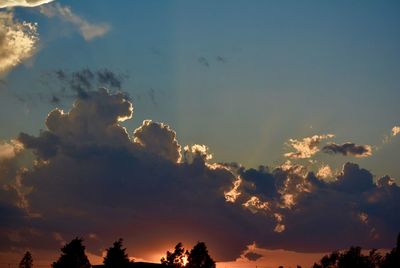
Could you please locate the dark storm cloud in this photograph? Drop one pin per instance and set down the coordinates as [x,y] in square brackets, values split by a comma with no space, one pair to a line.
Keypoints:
[101,179]
[348,148]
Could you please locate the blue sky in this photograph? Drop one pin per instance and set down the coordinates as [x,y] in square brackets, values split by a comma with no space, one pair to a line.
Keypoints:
[288,70]
[242,77]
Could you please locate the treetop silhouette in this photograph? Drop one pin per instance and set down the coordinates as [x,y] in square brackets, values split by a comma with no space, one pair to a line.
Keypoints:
[199,257]
[73,256]
[353,258]
[116,256]
[27,261]
[175,259]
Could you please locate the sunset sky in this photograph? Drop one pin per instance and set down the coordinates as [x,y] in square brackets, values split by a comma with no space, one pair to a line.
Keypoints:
[270,130]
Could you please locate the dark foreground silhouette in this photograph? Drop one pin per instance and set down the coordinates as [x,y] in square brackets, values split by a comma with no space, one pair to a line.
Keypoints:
[73,256]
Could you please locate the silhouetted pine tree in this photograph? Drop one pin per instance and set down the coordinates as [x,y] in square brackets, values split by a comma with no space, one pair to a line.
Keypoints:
[199,258]
[116,256]
[27,261]
[176,258]
[73,256]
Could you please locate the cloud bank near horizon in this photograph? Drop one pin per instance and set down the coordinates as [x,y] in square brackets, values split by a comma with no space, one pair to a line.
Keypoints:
[89,169]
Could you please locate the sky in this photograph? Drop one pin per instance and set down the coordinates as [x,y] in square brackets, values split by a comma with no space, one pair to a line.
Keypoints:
[255,126]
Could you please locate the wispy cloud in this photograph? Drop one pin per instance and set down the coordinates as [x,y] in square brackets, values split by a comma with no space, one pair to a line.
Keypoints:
[88,30]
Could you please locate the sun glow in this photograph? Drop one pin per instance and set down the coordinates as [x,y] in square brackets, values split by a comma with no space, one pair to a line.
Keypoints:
[185,260]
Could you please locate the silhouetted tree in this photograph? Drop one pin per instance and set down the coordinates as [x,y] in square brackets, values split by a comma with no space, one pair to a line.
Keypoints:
[392,259]
[328,261]
[27,261]
[175,259]
[73,256]
[353,258]
[116,256]
[199,258]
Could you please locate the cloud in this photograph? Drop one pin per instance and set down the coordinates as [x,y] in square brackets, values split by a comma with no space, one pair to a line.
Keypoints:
[10,149]
[18,42]
[387,138]
[395,131]
[203,61]
[23,3]
[159,139]
[79,83]
[252,256]
[89,169]
[325,172]
[348,148]
[307,147]
[92,121]
[220,59]
[89,31]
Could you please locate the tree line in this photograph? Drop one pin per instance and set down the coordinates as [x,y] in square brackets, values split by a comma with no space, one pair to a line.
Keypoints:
[73,256]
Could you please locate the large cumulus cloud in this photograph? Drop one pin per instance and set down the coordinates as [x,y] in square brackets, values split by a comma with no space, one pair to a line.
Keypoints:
[106,182]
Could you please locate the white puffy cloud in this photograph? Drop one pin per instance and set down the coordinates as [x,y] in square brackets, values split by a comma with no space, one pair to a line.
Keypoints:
[23,3]
[88,30]
[18,41]
[307,147]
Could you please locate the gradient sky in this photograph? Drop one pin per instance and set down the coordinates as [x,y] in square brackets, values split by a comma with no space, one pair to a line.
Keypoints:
[242,77]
